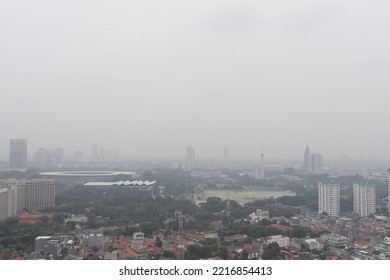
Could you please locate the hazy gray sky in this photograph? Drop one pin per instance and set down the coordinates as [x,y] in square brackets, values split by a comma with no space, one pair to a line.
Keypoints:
[150,77]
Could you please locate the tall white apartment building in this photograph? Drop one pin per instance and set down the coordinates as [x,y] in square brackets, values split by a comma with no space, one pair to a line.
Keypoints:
[329,199]
[364,199]
[12,198]
[190,158]
[33,195]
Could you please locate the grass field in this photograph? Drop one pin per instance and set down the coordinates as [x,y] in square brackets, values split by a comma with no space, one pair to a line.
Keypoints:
[244,196]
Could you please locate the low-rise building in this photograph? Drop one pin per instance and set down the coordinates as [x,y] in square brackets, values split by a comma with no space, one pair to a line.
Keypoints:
[283,241]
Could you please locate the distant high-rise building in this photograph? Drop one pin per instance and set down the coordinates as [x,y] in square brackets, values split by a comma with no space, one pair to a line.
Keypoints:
[103,154]
[95,153]
[315,163]
[79,156]
[226,154]
[190,158]
[329,199]
[43,158]
[57,156]
[18,154]
[364,199]
[306,159]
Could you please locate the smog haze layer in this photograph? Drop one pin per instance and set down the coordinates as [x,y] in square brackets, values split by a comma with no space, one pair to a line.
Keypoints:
[150,77]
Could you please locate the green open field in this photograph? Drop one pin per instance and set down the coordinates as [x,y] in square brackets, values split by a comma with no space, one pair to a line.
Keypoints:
[244,196]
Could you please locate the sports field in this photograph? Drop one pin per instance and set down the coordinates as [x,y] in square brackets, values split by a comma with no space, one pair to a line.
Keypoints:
[244,196]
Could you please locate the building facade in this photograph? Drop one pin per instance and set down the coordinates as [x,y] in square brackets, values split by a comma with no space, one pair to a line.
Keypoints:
[40,194]
[190,158]
[364,199]
[306,156]
[226,154]
[43,158]
[329,199]
[12,198]
[18,154]
[283,241]
[315,163]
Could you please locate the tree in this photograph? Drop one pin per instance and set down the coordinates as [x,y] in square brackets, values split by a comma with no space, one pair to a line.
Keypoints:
[271,252]
[44,219]
[58,218]
[158,242]
[168,254]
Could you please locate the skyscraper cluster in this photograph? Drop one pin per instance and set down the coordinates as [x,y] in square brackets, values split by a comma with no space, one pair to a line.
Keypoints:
[312,162]
[103,154]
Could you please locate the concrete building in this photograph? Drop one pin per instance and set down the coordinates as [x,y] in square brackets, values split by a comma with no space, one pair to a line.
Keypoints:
[282,241]
[3,204]
[79,156]
[18,154]
[315,163]
[95,153]
[33,195]
[190,158]
[96,240]
[12,198]
[306,156]
[226,154]
[40,194]
[137,242]
[364,199]
[329,199]
[314,244]
[43,158]
[57,156]
[51,245]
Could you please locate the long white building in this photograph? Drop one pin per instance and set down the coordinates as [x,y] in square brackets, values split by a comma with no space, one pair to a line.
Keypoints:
[364,199]
[329,199]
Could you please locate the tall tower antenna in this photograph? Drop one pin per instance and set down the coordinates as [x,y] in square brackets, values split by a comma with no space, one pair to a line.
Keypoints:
[262,162]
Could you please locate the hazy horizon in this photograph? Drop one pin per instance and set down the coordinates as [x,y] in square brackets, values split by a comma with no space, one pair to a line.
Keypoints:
[148,78]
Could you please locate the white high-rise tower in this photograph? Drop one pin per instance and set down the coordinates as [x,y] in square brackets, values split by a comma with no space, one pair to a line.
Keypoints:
[329,199]
[364,199]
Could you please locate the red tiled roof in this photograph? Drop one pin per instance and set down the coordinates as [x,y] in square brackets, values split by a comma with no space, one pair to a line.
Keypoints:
[362,242]
[280,227]
[129,251]
[195,237]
